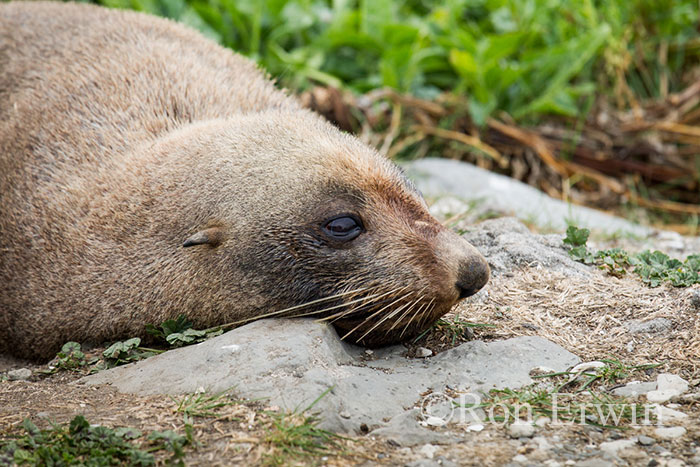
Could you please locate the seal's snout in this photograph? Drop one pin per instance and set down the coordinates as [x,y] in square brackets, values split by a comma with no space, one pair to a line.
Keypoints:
[472,275]
[468,269]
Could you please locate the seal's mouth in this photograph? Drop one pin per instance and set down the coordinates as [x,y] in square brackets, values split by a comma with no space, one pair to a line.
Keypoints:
[387,320]
[370,334]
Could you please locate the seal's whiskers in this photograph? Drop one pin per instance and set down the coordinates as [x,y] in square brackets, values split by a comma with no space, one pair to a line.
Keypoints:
[428,309]
[300,307]
[373,315]
[408,305]
[408,310]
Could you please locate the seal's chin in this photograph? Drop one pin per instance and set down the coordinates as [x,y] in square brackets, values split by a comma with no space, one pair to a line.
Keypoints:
[388,329]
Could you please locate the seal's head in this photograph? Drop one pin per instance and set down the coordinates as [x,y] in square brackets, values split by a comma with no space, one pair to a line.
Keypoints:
[303,220]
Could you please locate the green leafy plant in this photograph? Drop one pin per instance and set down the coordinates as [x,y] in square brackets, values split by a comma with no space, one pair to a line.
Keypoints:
[530,59]
[127,351]
[577,238]
[70,357]
[654,268]
[178,332]
[79,443]
[172,442]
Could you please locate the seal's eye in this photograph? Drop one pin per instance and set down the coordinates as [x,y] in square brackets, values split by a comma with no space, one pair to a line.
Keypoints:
[343,228]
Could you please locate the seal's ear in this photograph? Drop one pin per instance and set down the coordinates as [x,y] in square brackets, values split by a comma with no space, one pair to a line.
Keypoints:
[212,236]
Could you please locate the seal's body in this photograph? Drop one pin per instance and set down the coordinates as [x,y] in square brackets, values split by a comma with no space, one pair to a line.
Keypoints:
[146,172]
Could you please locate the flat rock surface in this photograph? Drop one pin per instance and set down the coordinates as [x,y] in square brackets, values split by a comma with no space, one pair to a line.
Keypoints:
[293,362]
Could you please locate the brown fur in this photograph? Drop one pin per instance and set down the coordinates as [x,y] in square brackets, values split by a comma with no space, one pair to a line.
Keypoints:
[122,135]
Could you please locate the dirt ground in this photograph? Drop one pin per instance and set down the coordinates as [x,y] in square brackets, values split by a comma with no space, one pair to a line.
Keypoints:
[588,316]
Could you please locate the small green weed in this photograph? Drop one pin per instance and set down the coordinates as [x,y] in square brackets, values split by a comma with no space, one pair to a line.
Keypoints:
[70,358]
[204,405]
[456,330]
[654,268]
[178,332]
[571,398]
[296,435]
[613,371]
[507,405]
[79,443]
[171,441]
[121,353]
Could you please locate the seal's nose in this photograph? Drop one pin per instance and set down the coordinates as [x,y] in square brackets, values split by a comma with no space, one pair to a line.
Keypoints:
[473,274]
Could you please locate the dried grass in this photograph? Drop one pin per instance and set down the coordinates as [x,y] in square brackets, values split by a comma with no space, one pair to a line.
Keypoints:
[587,316]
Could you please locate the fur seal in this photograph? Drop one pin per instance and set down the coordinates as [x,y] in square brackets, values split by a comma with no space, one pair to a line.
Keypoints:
[147,172]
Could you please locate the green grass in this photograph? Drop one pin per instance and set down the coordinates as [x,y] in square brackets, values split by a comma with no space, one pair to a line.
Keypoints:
[529,58]
[204,405]
[294,437]
[571,398]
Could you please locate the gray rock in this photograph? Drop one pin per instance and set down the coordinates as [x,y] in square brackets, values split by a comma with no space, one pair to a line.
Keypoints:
[293,362]
[656,325]
[671,432]
[671,382]
[439,461]
[404,430]
[20,374]
[613,447]
[508,244]
[695,298]
[635,388]
[667,415]
[445,462]
[521,429]
[646,440]
[594,462]
[439,177]
[668,386]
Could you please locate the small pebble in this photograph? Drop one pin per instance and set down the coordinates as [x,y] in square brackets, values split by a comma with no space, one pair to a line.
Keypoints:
[664,414]
[675,463]
[435,421]
[476,427]
[428,450]
[585,366]
[668,381]
[659,397]
[656,325]
[695,298]
[20,374]
[542,443]
[671,432]
[423,352]
[520,459]
[552,463]
[521,429]
[594,462]
[634,388]
[543,421]
[612,447]
[646,440]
